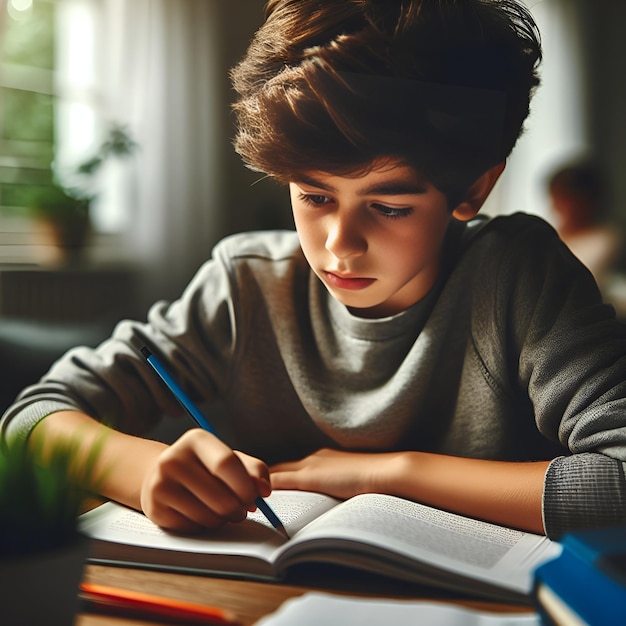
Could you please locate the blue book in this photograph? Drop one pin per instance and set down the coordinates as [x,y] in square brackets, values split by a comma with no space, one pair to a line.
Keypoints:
[586,584]
[605,548]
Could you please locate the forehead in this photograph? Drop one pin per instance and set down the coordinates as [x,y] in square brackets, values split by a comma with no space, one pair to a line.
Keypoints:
[374,173]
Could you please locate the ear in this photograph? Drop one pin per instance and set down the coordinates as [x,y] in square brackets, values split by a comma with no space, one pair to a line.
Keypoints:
[477,193]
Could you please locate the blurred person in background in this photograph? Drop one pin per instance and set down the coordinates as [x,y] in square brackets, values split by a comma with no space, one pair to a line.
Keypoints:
[580,203]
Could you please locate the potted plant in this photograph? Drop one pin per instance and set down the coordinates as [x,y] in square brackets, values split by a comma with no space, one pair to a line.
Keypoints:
[62,211]
[63,216]
[42,552]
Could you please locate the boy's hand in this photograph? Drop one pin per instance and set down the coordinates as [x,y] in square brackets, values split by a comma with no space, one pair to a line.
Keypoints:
[334,472]
[199,482]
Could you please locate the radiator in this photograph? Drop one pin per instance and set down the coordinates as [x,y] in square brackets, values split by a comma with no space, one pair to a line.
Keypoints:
[75,294]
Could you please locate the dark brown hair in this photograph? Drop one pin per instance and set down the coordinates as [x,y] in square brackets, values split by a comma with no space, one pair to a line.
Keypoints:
[299,110]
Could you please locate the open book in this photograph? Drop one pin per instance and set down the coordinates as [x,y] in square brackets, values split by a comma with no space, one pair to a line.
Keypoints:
[378,533]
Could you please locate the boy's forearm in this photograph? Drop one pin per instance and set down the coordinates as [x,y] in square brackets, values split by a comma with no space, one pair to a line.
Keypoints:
[505,493]
[123,460]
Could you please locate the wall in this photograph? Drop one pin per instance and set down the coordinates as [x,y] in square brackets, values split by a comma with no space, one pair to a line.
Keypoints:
[254,202]
[607,80]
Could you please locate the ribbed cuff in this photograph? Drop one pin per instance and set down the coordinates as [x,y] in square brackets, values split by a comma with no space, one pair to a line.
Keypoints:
[586,490]
[20,425]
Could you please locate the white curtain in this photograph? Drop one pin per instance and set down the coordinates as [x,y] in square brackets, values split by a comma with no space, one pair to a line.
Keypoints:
[161,80]
[557,128]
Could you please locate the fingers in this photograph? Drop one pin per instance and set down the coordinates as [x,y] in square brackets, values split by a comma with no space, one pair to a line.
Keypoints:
[338,473]
[199,482]
[258,471]
[292,475]
[171,518]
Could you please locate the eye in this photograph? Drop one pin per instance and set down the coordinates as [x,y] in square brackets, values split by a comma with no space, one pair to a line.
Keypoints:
[392,212]
[314,199]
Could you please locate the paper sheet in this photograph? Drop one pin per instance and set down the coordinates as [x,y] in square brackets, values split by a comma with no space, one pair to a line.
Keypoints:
[313,609]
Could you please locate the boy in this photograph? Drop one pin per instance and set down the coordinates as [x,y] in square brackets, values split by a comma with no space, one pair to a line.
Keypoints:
[396,343]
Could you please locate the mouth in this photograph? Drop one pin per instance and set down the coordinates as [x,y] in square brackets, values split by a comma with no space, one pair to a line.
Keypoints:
[347,281]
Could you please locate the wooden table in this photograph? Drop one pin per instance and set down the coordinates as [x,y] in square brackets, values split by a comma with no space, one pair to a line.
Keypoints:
[252,600]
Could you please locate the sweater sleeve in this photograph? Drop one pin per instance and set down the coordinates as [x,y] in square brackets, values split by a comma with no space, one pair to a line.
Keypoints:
[572,363]
[585,490]
[194,335]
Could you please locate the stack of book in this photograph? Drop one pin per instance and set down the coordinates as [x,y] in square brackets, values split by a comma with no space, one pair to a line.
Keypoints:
[586,583]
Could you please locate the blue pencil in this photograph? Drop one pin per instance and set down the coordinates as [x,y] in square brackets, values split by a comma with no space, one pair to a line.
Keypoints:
[202,421]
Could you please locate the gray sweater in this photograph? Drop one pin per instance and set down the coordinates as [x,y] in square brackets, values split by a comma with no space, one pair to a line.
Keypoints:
[511,356]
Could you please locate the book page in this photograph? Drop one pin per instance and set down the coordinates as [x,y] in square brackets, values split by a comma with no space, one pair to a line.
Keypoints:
[295,509]
[462,545]
[254,536]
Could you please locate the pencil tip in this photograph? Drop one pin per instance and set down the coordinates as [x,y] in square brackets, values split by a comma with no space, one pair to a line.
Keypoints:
[282,531]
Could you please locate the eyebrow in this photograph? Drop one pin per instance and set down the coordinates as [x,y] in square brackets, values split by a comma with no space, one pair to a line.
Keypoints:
[392,187]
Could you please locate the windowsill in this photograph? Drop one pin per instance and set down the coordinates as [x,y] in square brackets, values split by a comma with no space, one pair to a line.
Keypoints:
[22,245]
[36,282]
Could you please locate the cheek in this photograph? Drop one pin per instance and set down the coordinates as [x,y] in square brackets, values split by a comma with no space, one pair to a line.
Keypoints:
[300,222]
[298,218]
[307,233]
[420,246]
[412,238]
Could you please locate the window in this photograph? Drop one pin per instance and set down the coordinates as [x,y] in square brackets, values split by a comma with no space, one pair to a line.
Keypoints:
[26,108]
[51,115]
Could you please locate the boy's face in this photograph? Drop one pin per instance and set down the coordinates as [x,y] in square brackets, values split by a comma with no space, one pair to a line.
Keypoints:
[374,240]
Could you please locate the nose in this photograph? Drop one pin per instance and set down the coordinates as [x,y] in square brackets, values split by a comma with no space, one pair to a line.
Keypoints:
[345,236]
